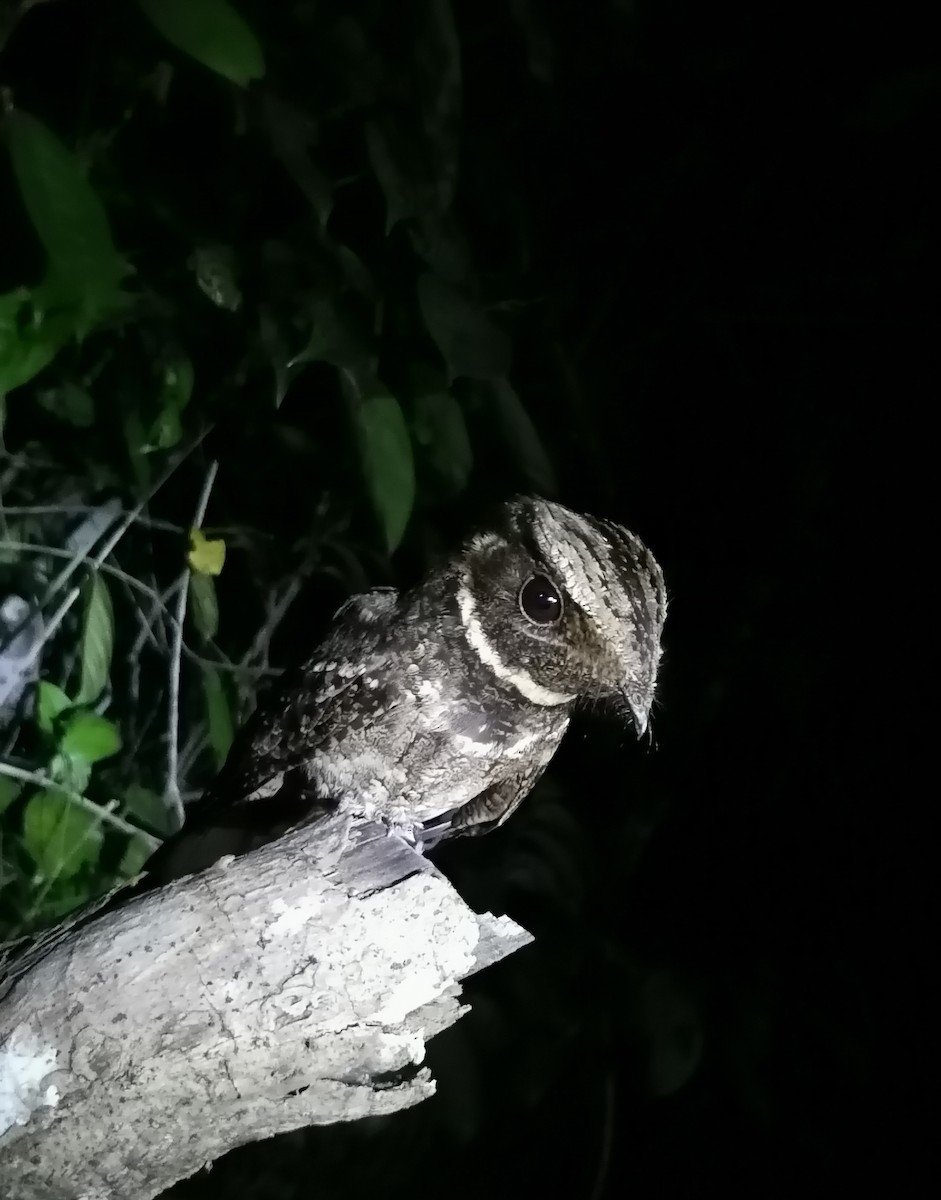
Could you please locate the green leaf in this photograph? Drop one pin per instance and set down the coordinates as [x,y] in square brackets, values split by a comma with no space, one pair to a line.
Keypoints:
[221,731]
[71,772]
[136,441]
[216,270]
[97,641]
[442,245]
[22,359]
[9,790]
[60,836]
[149,807]
[136,854]
[521,435]
[90,737]
[206,555]
[291,133]
[440,428]
[176,388]
[418,172]
[165,433]
[69,403]
[56,900]
[213,33]
[401,174]
[68,217]
[10,305]
[356,274]
[203,604]
[176,383]
[50,702]
[470,344]
[335,335]
[29,341]
[385,451]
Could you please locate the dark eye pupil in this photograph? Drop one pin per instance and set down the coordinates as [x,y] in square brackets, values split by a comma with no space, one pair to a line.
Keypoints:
[540,600]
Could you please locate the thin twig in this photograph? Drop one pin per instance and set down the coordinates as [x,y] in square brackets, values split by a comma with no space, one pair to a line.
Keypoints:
[138,508]
[98,558]
[159,523]
[101,811]
[607,1138]
[161,601]
[65,510]
[74,850]
[262,639]
[137,737]
[16,462]
[51,626]
[171,793]
[195,745]
[38,548]
[223,663]
[172,790]
[144,631]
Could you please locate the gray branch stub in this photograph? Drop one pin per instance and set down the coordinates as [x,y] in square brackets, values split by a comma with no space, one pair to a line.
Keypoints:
[271,992]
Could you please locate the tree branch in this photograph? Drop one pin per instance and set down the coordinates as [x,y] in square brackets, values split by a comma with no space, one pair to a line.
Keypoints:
[296,985]
[172,789]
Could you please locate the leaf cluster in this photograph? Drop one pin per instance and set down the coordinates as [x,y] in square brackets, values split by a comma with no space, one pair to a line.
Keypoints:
[232,260]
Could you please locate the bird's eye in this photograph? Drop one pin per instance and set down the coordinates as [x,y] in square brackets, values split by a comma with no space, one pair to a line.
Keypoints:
[540,601]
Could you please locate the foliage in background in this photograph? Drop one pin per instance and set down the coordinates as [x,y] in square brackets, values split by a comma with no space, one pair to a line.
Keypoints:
[339,252]
[256,335]
[126,376]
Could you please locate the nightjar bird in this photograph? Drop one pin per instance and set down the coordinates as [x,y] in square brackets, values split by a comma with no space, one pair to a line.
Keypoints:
[436,709]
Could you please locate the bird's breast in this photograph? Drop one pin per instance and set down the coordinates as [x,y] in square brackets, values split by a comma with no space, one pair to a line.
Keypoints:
[432,753]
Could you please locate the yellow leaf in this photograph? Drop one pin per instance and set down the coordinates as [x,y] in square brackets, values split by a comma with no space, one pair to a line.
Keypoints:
[206,554]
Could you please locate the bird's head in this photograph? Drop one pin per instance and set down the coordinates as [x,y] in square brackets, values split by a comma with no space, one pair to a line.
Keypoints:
[562,606]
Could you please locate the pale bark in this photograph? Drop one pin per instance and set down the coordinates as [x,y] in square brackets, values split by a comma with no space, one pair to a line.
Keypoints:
[294,986]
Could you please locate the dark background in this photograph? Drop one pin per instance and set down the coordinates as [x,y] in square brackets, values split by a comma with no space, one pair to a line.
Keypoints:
[726,342]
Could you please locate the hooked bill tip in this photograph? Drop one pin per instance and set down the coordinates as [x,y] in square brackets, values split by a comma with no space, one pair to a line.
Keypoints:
[640,712]
[640,720]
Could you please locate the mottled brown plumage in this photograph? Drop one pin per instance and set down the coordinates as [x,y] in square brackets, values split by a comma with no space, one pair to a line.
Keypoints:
[439,707]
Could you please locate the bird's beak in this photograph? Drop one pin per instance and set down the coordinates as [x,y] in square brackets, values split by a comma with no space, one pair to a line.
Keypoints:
[639,703]
[640,713]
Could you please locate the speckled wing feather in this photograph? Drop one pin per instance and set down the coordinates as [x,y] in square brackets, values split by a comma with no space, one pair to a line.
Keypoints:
[330,691]
[435,711]
[261,790]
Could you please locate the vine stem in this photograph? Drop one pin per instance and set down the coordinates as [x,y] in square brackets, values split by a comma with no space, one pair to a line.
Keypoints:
[99,557]
[172,791]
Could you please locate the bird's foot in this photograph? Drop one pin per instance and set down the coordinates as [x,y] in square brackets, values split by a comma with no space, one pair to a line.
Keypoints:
[411,835]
